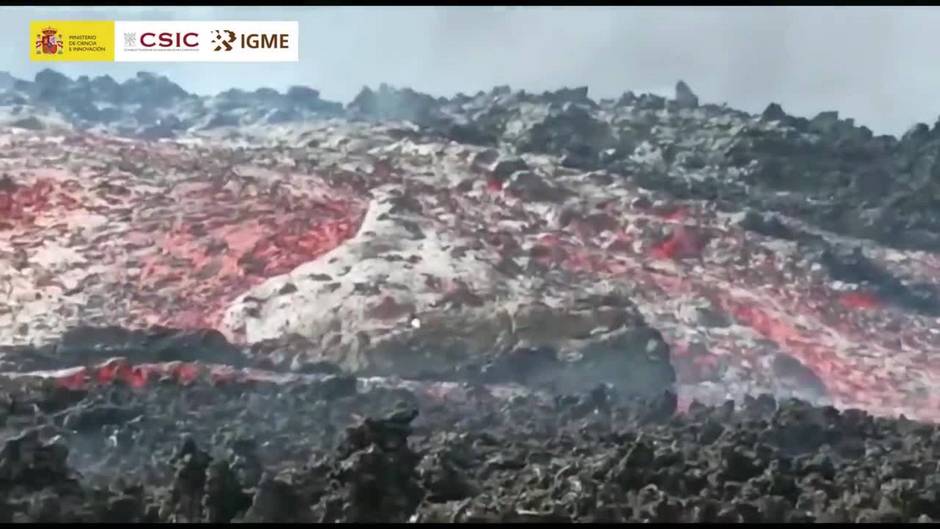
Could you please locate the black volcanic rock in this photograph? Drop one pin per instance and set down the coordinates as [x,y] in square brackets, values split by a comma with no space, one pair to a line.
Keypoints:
[7,81]
[304,452]
[388,103]
[106,88]
[303,95]
[569,95]
[773,112]
[602,430]
[150,89]
[156,344]
[50,85]
[685,97]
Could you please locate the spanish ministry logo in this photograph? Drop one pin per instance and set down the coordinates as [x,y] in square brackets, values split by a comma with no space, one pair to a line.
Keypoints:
[72,40]
[48,42]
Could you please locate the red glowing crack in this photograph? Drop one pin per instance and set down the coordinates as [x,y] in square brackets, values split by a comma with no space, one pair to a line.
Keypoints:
[179,248]
[856,361]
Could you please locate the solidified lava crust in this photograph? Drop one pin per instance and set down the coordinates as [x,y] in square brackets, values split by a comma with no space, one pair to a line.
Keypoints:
[507,307]
[330,450]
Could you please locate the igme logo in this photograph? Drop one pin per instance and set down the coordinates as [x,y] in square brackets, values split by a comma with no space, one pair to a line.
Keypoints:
[223,39]
[265,41]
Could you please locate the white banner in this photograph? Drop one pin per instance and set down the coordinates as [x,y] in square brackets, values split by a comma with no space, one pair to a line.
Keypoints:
[206,41]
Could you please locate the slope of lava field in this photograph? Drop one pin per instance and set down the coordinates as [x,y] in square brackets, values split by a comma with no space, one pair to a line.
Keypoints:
[99,231]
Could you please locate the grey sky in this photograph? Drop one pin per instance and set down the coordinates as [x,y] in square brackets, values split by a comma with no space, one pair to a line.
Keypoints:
[876,64]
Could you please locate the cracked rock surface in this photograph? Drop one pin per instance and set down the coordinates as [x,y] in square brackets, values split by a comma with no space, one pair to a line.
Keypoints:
[507,306]
[293,451]
[406,234]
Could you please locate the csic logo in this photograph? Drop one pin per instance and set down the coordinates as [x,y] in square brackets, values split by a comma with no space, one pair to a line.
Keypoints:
[223,42]
[162,41]
[167,39]
[224,39]
[170,40]
[49,42]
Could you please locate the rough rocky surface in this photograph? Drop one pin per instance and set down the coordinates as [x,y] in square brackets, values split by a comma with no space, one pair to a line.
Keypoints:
[338,449]
[407,234]
[202,293]
[153,107]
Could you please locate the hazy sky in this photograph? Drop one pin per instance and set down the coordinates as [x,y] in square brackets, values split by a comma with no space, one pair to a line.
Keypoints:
[876,64]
